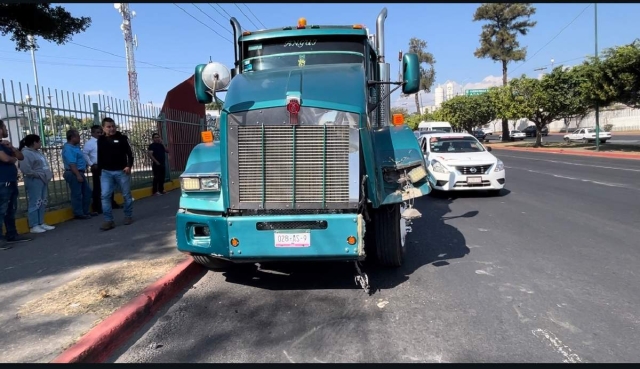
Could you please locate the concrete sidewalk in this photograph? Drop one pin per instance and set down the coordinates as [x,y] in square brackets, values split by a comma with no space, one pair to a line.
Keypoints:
[57,287]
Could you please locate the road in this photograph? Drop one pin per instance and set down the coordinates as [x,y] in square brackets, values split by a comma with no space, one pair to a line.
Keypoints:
[547,272]
[617,138]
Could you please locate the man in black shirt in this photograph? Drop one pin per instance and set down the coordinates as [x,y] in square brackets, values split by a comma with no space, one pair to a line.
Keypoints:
[115,160]
[157,152]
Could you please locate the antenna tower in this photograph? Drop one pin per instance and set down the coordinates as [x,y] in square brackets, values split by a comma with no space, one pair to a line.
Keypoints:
[130,41]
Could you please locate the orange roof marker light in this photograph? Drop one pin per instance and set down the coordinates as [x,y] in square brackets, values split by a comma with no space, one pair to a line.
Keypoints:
[246,33]
[207,136]
[302,22]
[398,119]
[357,26]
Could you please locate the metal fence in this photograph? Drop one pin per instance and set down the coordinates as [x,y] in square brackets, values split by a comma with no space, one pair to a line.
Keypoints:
[51,112]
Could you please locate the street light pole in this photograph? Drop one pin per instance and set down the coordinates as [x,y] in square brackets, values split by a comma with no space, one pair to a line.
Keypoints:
[595,7]
[35,74]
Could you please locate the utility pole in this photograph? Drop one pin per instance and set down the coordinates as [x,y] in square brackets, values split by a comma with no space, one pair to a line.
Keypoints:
[595,7]
[35,75]
[129,42]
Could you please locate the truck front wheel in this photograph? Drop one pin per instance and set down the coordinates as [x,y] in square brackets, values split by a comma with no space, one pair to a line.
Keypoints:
[210,262]
[389,230]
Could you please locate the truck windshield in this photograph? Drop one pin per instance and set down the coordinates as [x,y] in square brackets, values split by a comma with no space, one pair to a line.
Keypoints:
[300,52]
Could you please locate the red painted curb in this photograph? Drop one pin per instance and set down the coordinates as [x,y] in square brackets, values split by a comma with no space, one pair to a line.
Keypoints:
[105,338]
[610,155]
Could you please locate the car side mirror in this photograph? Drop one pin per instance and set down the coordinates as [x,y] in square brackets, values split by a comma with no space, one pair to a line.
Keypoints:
[410,74]
[489,148]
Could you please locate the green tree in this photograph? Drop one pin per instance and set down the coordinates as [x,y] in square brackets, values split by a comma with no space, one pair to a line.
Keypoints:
[214,105]
[62,123]
[468,112]
[556,95]
[52,23]
[427,70]
[499,37]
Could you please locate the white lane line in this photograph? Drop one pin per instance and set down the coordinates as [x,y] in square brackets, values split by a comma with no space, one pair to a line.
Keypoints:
[557,345]
[576,164]
[608,184]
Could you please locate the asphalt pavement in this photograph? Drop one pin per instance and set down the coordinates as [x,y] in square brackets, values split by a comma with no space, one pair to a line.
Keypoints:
[546,272]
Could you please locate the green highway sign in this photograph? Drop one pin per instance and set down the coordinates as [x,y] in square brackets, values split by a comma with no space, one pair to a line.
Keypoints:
[479,91]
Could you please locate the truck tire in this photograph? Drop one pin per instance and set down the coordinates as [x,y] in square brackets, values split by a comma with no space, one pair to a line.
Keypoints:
[210,262]
[389,237]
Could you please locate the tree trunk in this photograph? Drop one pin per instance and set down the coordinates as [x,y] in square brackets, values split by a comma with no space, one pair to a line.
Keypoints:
[418,104]
[538,136]
[505,121]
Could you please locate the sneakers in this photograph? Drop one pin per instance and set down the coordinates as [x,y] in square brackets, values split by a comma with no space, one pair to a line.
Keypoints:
[37,229]
[107,226]
[47,227]
[128,220]
[158,194]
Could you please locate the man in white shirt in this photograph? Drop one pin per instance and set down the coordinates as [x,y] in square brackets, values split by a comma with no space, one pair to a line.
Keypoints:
[90,152]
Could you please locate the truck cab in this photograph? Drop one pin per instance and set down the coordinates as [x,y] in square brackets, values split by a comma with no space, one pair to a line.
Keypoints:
[308,163]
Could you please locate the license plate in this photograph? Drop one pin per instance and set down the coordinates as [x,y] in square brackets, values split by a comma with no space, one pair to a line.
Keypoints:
[291,239]
[474,180]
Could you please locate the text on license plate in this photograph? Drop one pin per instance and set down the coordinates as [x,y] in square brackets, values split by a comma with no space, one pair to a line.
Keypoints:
[474,180]
[290,239]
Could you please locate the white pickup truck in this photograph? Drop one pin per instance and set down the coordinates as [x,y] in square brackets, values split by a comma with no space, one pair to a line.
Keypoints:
[587,135]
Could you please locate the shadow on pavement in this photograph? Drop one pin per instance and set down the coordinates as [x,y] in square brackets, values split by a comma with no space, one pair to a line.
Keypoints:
[432,241]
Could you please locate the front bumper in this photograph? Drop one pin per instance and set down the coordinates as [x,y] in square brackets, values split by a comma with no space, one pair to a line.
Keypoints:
[328,236]
[455,181]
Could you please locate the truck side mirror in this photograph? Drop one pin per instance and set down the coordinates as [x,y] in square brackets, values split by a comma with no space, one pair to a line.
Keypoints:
[210,78]
[410,74]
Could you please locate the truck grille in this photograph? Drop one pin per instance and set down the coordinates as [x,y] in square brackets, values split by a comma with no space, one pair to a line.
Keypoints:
[479,169]
[285,164]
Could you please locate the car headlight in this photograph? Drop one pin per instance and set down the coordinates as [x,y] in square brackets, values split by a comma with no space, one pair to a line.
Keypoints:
[438,167]
[499,166]
[200,183]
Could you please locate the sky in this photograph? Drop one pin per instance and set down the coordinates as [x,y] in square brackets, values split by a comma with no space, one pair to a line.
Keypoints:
[171,43]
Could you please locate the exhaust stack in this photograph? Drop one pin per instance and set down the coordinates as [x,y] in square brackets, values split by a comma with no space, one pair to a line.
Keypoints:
[380,34]
[237,31]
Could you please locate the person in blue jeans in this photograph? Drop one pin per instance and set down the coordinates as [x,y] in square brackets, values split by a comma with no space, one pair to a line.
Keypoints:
[115,160]
[74,173]
[37,176]
[9,155]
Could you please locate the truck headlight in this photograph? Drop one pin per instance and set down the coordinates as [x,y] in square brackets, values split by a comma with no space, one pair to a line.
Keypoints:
[438,167]
[200,183]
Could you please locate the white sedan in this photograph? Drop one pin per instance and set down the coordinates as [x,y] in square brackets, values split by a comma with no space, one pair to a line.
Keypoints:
[587,135]
[459,162]
[515,134]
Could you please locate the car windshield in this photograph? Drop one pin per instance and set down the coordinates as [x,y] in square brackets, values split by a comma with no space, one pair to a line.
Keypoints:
[455,144]
[300,52]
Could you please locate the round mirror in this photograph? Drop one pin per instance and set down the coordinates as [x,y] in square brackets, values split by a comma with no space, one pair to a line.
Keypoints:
[216,76]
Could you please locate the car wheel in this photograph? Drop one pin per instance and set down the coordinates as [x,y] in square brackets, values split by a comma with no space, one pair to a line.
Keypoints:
[585,141]
[603,141]
[212,263]
[567,139]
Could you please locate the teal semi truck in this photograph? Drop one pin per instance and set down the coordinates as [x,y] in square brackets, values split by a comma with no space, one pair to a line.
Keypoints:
[308,164]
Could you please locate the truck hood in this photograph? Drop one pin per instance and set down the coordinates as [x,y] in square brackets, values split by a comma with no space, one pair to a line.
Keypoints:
[337,86]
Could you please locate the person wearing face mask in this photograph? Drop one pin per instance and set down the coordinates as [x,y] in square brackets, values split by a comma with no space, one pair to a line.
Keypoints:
[37,175]
[9,155]
[74,173]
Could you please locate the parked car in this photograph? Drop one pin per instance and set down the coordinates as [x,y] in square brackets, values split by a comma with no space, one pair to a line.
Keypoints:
[480,135]
[459,162]
[515,135]
[587,135]
[532,132]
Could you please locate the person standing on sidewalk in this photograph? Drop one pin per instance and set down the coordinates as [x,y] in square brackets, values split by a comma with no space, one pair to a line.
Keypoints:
[9,155]
[90,151]
[157,152]
[37,175]
[74,173]
[115,160]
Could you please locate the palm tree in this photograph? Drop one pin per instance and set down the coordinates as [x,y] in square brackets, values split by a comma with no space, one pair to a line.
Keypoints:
[427,75]
[498,40]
